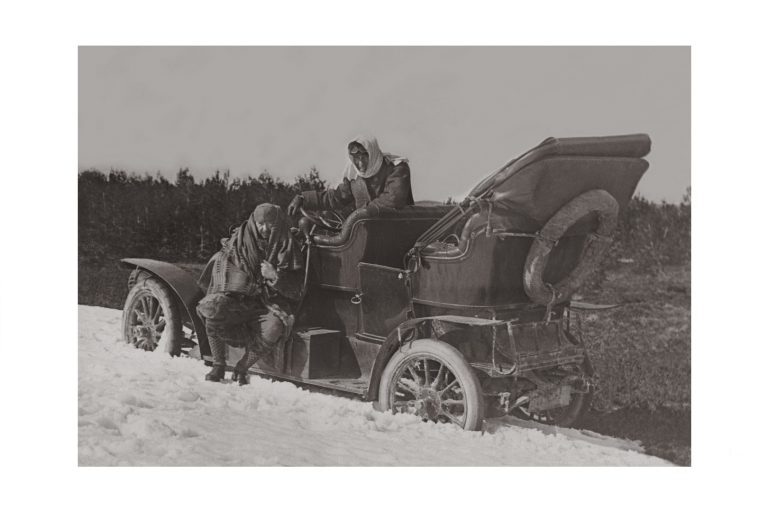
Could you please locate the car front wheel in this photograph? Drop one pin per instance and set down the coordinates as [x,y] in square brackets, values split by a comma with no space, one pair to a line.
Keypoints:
[150,315]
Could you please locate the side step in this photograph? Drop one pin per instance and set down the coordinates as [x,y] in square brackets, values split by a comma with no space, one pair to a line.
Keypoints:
[309,354]
[355,387]
[314,354]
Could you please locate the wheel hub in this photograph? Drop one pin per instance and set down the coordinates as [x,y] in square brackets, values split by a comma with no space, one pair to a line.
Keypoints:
[147,323]
[428,403]
[146,335]
[427,387]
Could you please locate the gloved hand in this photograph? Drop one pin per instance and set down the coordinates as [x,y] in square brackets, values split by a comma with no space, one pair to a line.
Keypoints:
[296,203]
[269,272]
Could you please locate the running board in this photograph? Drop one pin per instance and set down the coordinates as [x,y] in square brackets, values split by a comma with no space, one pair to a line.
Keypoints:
[356,387]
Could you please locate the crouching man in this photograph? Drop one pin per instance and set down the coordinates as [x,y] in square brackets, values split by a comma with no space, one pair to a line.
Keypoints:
[253,283]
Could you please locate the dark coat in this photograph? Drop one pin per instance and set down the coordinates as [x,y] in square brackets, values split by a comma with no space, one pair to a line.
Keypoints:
[236,268]
[389,188]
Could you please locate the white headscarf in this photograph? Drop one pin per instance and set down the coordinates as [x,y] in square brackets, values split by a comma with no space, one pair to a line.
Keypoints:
[375,158]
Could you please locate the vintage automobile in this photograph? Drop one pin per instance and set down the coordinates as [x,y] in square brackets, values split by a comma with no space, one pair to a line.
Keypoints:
[451,312]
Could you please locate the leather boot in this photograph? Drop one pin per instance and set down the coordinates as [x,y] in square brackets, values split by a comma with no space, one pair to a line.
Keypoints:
[240,376]
[216,373]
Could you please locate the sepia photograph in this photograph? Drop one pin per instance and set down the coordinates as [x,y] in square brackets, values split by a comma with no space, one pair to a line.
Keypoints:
[342,256]
[384,256]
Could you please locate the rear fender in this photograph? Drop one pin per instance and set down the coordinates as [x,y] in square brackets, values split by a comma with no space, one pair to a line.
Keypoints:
[182,285]
[413,329]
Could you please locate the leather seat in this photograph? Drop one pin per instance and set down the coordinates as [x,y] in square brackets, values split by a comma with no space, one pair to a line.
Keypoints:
[381,236]
[368,213]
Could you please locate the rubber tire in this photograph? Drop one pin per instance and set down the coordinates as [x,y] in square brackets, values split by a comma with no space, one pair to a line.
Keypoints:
[168,304]
[455,362]
[575,410]
[596,201]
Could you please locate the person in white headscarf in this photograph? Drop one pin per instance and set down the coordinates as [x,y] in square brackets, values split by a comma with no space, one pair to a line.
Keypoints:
[370,178]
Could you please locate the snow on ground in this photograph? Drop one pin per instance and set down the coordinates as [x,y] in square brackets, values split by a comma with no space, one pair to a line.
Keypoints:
[140,408]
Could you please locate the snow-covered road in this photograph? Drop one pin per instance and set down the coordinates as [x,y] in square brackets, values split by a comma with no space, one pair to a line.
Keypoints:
[138,408]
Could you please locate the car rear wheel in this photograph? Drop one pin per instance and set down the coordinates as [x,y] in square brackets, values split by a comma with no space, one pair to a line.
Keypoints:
[432,379]
[150,315]
[578,378]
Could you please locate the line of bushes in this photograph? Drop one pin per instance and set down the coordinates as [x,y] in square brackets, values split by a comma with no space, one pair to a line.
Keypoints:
[122,215]
[653,235]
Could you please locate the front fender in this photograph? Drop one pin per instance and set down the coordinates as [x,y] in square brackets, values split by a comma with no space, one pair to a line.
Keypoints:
[183,286]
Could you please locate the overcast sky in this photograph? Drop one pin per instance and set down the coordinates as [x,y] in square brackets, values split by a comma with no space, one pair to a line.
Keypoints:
[457,113]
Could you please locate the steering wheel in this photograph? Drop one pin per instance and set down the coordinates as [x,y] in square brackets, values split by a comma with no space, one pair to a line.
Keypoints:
[332,223]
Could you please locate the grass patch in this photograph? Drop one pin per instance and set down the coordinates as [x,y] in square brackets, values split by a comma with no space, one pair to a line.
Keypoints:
[641,352]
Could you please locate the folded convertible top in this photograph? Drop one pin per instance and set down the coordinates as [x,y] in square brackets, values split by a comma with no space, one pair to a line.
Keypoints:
[540,181]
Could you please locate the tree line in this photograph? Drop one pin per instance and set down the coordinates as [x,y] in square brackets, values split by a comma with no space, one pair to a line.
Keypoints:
[653,235]
[128,215]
